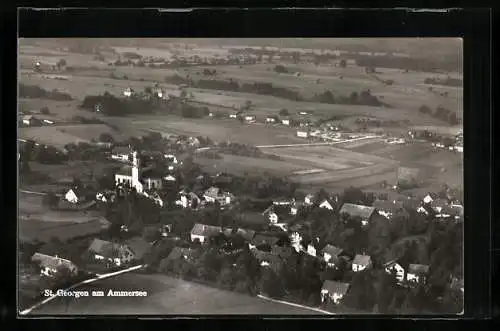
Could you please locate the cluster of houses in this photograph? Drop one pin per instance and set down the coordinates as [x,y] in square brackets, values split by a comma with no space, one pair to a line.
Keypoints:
[271,252]
[29,120]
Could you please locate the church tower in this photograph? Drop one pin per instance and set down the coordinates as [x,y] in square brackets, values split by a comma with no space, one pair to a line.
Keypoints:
[135,172]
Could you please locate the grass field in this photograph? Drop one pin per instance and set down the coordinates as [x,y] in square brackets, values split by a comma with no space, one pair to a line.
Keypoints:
[240,165]
[59,136]
[218,130]
[166,296]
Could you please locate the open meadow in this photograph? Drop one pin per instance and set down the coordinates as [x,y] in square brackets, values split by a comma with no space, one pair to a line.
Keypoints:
[241,165]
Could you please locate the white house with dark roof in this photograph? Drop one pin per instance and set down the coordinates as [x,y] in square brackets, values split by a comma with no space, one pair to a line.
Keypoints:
[309,199]
[188,200]
[214,194]
[109,252]
[76,195]
[393,267]
[202,232]
[333,291]
[353,210]
[438,204]
[331,254]
[361,262]
[328,203]
[417,273]
[388,208]
[51,265]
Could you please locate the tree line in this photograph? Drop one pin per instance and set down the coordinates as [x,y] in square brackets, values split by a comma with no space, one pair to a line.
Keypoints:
[441,113]
[33,91]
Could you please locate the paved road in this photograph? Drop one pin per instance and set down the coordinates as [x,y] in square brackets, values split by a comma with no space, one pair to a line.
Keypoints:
[317,144]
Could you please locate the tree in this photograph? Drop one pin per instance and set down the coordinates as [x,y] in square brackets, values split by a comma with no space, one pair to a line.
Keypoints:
[61,63]
[424,109]
[45,110]
[343,63]
[271,284]
[106,138]
[284,112]
[353,195]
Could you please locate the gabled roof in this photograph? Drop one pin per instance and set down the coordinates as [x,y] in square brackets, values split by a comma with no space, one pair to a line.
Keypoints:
[212,192]
[452,211]
[205,230]
[332,250]
[439,203]
[79,191]
[138,246]
[105,248]
[246,234]
[51,262]
[263,240]
[354,210]
[388,206]
[363,260]
[418,269]
[335,287]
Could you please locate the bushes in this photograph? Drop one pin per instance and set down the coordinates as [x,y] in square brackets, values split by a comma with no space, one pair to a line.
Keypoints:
[441,113]
[33,91]
[280,69]
[45,111]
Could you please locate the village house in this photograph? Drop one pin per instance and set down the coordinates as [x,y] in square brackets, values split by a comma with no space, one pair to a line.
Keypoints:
[202,232]
[246,234]
[309,199]
[250,118]
[261,240]
[417,273]
[233,115]
[275,214]
[128,92]
[331,254]
[329,203]
[75,195]
[311,247]
[188,200]
[121,153]
[110,253]
[333,291]
[302,134]
[438,204]
[361,262]
[30,120]
[353,210]
[270,120]
[393,267]
[427,199]
[296,241]
[285,122]
[450,212]
[267,259]
[214,194]
[388,208]
[51,265]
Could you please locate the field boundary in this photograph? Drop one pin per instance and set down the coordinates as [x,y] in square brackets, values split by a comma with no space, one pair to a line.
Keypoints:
[295,305]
